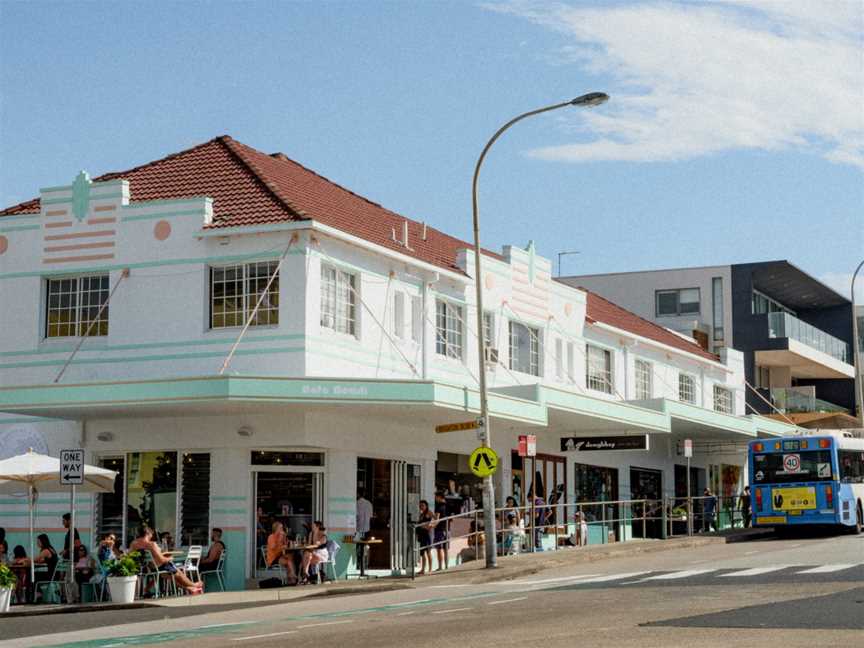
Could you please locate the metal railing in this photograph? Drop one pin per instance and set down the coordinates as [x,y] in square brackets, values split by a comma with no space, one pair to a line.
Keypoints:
[784,325]
[550,527]
[801,399]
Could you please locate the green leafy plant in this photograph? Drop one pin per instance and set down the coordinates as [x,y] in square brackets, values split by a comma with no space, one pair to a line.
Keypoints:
[128,565]
[7,578]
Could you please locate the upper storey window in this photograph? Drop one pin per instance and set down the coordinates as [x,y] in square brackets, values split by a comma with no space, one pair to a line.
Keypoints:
[236,289]
[73,305]
[448,329]
[598,369]
[524,349]
[686,389]
[338,300]
[684,301]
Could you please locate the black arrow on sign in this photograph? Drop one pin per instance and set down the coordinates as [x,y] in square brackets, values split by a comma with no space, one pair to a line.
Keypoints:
[485,458]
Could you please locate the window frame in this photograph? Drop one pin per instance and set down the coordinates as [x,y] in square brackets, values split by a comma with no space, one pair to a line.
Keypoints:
[683,378]
[721,393]
[78,324]
[641,369]
[399,314]
[248,297]
[677,292]
[534,366]
[592,381]
[343,312]
[442,340]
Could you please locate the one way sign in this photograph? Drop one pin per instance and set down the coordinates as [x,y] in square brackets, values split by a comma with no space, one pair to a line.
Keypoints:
[72,467]
[483,462]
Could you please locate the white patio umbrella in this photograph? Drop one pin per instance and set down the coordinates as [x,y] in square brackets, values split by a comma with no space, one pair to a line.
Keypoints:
[31,473]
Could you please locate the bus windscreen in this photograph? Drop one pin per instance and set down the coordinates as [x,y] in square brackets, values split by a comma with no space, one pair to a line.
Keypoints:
[785,468]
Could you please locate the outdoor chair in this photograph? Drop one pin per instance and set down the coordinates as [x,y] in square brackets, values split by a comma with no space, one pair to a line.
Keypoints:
[190,564]
[332,550]
[276,569]
[98,586]
[52,589]
[150,572]
[219,571]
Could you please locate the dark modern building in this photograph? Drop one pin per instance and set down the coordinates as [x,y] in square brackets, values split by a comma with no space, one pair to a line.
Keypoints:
[794,331]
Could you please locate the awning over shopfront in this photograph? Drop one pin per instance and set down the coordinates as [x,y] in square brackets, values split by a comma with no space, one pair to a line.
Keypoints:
[526,406]
[220,394]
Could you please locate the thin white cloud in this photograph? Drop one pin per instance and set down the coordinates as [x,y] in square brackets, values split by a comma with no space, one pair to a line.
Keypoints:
[693,79]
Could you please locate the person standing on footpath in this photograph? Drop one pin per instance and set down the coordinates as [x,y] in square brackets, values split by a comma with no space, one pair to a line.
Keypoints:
[363,525]
[67,522]
[441,534]
[746,507]
[709,508]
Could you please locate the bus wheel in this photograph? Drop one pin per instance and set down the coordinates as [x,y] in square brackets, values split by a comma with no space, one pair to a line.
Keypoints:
[859,520]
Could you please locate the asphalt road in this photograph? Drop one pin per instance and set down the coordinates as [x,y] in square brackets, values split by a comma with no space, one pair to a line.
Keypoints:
[806,591]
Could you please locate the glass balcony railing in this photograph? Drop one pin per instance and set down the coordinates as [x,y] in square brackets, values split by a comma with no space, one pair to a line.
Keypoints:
[791,400]
[784,325]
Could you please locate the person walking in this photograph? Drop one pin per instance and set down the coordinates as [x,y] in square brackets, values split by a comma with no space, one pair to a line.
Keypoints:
[67,522]
[746,507]
[441,532]
[709,510]
[363,526]
[424,537]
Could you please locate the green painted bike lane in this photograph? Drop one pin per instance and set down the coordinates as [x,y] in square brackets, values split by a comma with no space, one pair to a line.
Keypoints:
[225,628]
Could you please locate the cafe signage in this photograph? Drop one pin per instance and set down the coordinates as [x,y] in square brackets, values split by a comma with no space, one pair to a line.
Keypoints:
[591,444]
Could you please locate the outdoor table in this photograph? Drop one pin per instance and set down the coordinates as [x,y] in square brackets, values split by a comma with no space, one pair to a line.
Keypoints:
[365,555]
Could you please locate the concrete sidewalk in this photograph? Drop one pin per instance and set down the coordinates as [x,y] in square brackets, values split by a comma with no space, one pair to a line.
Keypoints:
[509,568]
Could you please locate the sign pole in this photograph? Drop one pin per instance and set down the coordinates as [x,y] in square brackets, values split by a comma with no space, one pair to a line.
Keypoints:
[689,502]
[70,573]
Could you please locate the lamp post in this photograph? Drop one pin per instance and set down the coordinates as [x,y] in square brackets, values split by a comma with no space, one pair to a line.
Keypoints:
[587,100]
[856,354]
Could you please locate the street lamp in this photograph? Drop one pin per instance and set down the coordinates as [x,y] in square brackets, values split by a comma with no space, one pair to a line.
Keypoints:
[856,356]
[586,100]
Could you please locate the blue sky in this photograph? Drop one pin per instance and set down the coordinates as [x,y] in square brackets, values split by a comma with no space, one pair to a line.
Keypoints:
[735,130]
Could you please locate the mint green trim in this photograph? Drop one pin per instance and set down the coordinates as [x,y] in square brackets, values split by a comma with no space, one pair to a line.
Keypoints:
[251,337]
[350,267]
[81,195]
[629,416]
[341,512]
[168,201]
[44,499]
[266,254]
[53,189]
[4,219]
[20,228]
[341,500]
[227,498]
[55,201]
[149,358]
[107,196]
[230,511]
[187,212]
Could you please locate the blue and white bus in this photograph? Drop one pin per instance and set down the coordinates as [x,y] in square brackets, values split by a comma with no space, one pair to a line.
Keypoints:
[816,479]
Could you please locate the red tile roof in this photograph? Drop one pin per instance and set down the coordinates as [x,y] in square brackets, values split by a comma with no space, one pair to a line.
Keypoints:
[602,310]
[249,187]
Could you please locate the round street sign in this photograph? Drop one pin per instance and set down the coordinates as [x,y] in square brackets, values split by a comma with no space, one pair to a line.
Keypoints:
[483,462]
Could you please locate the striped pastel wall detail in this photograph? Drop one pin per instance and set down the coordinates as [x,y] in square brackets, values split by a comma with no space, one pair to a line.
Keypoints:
[75,228]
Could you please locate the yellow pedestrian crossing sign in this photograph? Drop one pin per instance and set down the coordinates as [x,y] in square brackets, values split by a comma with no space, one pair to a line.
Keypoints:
[483,462]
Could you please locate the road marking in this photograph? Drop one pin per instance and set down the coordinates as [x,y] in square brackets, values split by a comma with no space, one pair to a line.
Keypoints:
[318,625]
[513,600]
[612,577]
[687,573]
[545,580]
[750,553]
[827,569]
[263,636]
[453,610]
[756,571]
[446,586]
[224,625]
[404,613]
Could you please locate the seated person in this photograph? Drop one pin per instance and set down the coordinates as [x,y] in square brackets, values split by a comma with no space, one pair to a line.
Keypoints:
[4,553]
[107,549]
[20,564]
[83,566]
[144,542]
[277,542]
[317,553]
[47,556]
[211,560]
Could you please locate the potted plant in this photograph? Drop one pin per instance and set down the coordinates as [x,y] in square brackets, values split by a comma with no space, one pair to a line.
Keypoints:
[7,584]
[122,577]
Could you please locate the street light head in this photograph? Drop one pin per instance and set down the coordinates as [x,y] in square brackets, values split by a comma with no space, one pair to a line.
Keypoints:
[590,99]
